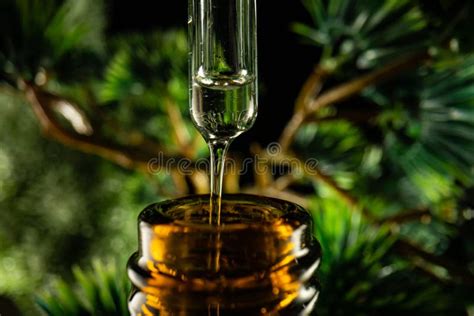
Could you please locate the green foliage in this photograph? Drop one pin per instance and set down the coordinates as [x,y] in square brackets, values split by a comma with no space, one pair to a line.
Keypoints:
[431,139]
[344,149]
[360,275]
[148,68]
[59,207]
[61,37]
[340,149]
[418,141]
[101,291]
[363,32]
[148,74]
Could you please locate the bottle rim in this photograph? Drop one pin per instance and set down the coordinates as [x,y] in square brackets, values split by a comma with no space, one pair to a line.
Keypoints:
[268,213]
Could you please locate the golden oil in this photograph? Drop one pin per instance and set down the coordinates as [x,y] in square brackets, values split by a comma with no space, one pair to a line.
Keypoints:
[261,260]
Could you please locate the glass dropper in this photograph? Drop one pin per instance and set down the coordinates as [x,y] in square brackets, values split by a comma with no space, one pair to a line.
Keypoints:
[223,79]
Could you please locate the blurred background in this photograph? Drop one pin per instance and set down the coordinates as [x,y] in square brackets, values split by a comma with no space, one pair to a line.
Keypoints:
[380,93]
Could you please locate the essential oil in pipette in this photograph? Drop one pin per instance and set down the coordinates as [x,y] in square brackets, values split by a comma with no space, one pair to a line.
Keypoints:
[224,108]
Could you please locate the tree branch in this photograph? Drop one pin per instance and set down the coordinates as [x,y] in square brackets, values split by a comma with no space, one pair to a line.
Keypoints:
[131,157]
[311,88]
[418,214]
[341,93]
[180,133]
[354,87]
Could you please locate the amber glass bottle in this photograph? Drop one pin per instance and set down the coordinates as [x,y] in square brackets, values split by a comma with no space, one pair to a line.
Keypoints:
[260,261]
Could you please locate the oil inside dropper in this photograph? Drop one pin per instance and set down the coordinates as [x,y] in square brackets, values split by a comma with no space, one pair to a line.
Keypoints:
[222,110]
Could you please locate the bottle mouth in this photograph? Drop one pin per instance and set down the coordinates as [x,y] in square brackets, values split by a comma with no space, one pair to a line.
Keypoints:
[239,212]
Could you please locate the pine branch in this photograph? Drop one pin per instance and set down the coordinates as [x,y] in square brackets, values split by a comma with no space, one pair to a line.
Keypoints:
[342,92]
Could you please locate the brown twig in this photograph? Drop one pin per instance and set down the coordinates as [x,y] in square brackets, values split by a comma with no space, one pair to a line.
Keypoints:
[284,182]
[354,87]
[311,88]
[263,180]
[200,182]
[130,157]
[232,174]
[41,103]
[180,132]
[418,214]
[187,146]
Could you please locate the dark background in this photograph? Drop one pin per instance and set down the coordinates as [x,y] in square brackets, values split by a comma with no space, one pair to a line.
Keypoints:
[284,61]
